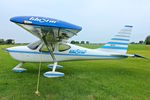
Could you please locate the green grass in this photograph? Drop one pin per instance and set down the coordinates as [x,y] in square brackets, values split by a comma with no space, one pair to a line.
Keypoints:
[127,79]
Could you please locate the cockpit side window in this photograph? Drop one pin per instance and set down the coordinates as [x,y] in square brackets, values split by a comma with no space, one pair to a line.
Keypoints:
[44,49]
[34,45]
[63,47]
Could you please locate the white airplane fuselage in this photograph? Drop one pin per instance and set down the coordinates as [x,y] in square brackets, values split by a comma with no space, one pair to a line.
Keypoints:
[25,54]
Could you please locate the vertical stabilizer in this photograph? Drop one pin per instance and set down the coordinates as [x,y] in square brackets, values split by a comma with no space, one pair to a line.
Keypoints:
[119,43]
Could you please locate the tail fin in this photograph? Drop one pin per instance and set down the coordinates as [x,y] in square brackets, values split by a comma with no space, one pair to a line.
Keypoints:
[119,43]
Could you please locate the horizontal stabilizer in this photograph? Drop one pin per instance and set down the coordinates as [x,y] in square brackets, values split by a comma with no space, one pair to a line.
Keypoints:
[139,56]
[130,55]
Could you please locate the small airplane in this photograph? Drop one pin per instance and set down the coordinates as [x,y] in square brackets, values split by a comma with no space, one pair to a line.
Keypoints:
[53,46]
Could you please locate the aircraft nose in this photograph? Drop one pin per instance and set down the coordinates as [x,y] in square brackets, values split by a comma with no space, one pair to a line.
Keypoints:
[8,49]
[5,49]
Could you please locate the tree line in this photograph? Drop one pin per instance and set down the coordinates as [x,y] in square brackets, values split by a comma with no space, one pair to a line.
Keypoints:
[147,41]
[12,41]
[8,41]
[82,42]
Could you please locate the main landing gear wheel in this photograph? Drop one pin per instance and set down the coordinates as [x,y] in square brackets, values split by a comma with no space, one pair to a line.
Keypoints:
[18,68]
[53,73]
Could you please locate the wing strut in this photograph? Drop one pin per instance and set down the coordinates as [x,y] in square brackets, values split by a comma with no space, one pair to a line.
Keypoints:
[51,50]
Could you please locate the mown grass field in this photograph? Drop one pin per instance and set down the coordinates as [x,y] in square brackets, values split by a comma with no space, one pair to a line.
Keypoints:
[127,79]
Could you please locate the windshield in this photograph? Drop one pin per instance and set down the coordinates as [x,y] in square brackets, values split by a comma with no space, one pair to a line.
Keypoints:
[34,45]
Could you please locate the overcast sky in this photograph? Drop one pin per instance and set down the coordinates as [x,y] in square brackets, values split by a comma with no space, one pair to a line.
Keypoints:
[100,19]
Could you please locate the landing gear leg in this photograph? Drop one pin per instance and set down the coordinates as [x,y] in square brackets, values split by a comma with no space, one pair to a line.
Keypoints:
[51,74]
[57,67]
[18,68]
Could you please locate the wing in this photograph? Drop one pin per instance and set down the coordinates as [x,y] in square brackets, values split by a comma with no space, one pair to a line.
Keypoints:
[49,30]
[52,29]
